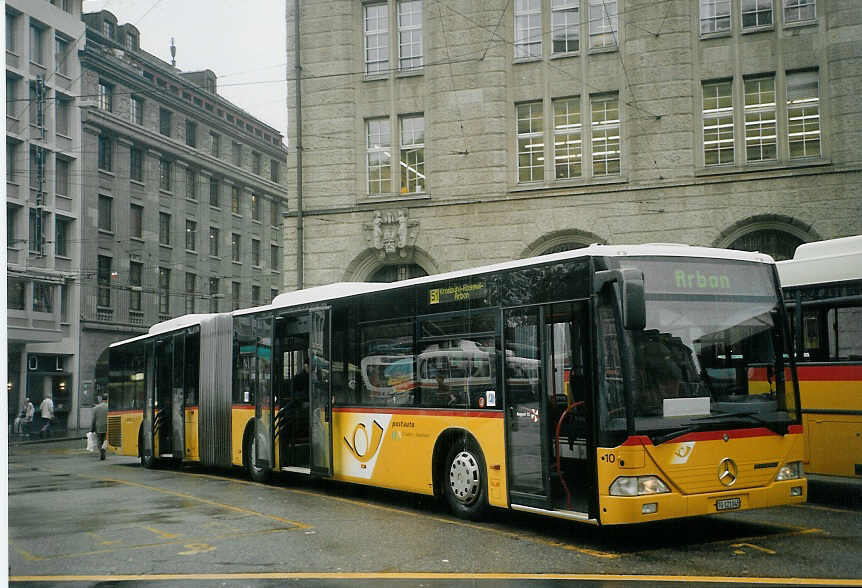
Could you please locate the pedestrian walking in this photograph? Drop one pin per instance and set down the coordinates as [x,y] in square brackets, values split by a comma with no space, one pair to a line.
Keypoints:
[100,424]
[46,408]
[25,418]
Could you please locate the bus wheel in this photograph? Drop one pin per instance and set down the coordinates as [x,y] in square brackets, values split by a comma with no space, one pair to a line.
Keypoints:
[249,447]
[464,478]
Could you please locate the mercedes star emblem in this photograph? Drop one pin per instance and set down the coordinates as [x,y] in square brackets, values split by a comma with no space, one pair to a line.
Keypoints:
[727,471]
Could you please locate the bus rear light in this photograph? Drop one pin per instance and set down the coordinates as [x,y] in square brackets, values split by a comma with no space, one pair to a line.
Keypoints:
[638,486]
[792,470]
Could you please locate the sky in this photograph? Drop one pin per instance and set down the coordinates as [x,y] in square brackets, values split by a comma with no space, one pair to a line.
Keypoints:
[242,42]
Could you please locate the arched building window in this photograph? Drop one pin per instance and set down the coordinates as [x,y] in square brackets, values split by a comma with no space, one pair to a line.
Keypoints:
[779,244]
[396,272]
[564,247]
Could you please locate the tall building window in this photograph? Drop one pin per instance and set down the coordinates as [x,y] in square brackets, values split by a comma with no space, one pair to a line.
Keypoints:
[376,30]
[136,110]
[63,109]
[11,38]
[235,199]
[165,175]
[803,114]
[191,134]
[106,149]
[410,34]
[236,153]
[274,213]
[531,144]
[214,192]
[215,144]
[136,221]
[412,154]
[528,29]
[714,16]
[43,297]
[717,123]
[214,241]
[274,257]
[255,295]
[61,237]
[214,294]
[235,253]
[799,11]
[165,122]
[274,171]
[105,213]
[37,231]
[255,252]
[103,280]
[131,41]
[234,295]
[106,96]
[37,115]
[136,274]
[756,14]
[255,163]
[164,228]
[164,291]
[108,29]
[603,23]
[605,135]
[136,164]
[379,148]
[16,294]
[565,25]
[61,169]
[760,129]
[568,141]
[191,184]
[191,235]
[61,60]
[255,206]
[37,53]
[191,284]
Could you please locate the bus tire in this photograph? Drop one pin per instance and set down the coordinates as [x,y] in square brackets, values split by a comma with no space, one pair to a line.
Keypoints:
[148,461]
[465,481]
[248,449]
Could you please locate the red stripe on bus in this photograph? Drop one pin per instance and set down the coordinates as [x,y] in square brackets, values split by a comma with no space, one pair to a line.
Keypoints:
[794,430]
[488,414]
[830,373]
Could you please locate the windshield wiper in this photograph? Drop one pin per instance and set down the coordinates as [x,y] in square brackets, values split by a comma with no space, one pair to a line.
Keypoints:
[674,434]
[730,415]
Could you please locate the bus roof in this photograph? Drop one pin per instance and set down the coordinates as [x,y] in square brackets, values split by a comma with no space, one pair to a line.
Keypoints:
[348,289]
[823,262]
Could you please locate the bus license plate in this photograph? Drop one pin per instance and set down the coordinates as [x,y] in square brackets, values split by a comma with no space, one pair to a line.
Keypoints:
[728,503]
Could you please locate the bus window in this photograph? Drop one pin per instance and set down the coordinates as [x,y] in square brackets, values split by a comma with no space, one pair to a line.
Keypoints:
[845,333]
[386,366]
[612,403]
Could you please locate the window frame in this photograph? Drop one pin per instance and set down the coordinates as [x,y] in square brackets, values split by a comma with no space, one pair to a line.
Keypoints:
[412,30]
[105,213]
[378,150]
[379,34]
[409,146]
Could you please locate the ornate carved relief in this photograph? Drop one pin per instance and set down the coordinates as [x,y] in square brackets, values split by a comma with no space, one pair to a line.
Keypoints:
[392,234]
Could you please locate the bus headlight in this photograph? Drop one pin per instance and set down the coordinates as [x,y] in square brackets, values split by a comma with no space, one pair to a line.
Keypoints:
[638,486]
[792,470]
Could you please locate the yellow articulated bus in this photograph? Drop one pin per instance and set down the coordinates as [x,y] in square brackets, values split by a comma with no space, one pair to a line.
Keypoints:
[822,287]
[608,385]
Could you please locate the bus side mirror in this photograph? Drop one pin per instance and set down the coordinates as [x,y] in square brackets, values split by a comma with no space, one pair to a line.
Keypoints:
[632,297]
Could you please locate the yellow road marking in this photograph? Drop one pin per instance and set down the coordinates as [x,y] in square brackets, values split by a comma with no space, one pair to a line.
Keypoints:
[439,576]
[753,546]
[196,548]
[389,509]
[161,534]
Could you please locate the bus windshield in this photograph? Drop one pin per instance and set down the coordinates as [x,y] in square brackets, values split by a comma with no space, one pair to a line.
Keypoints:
[712,354]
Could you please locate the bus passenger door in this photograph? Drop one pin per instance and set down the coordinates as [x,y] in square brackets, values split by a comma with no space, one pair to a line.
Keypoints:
[320,400]
[291,392]
[526,437]
[162,399]
[261,357]
[177,401]
[146,449]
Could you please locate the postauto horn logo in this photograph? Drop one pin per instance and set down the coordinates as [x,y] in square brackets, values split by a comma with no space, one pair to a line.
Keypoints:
[361,446]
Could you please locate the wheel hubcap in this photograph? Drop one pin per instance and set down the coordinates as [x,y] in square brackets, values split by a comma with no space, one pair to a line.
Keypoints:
[464,477]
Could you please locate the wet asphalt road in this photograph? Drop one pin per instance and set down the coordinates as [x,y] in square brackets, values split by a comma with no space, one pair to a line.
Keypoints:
[75,521]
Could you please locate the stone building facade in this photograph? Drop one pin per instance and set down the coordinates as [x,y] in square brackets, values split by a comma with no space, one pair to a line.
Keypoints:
[182,197]
[438,136]
[43,201]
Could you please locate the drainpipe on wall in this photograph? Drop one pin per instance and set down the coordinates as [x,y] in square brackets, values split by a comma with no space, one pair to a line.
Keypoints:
[298,74]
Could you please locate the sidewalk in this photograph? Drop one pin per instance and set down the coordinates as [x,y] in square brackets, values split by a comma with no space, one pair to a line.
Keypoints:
[70,435]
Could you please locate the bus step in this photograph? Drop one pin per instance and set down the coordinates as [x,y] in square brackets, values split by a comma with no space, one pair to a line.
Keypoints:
[296,470]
